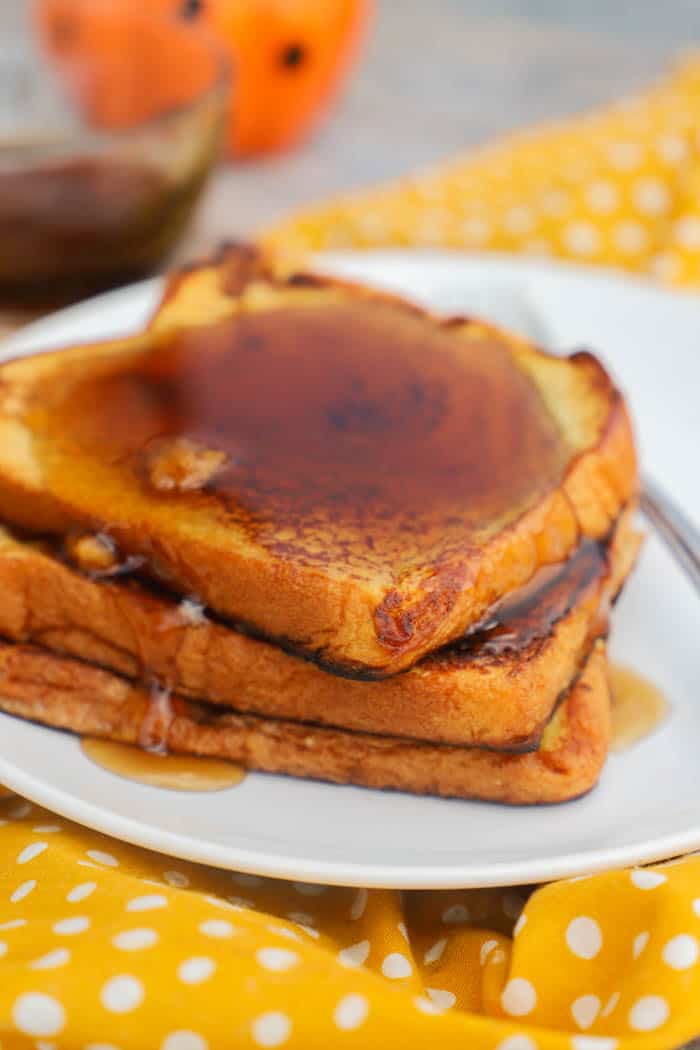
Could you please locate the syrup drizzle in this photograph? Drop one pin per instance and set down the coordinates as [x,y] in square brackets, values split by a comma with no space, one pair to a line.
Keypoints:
[175,772]
[638,707]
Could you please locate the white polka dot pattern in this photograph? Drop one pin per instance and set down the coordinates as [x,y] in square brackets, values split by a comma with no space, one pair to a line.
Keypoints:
[639,944]
[277,960]
[184,1040]
[585,1009]
[519,925]
[517,1042]
[435,953]
[581,238]
[648,1013]
[584,937]
[52,960]
[309,889]
[644,879]
[476,230]
[426,1006]
[354,955]
[672,149]
[651,196]
[271,1029]
[359,904]
[519,997]
[681,952]
[135,940]
[23,891]
[81,892]
[69,927]
[630,237]
[687,232]
[219,929]
[350,1013]
[611,1005]
[122,994]
[519,220]
[602,197]
[100,857]
[147,903]
[196,970]
[442,998]
[625,156]
[456,913]
[21,811]
[284,931]
[488,948]
[176,879]
[396,966]
[37,1014]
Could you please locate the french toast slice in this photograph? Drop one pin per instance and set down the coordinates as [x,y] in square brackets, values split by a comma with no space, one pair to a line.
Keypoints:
[342,472]
[64,693]
[495,688]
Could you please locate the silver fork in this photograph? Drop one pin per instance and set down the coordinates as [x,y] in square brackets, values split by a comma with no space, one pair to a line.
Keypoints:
[674,527]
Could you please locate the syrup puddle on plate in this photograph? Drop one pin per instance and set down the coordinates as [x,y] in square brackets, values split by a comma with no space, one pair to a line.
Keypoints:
[638,707]
[176,772]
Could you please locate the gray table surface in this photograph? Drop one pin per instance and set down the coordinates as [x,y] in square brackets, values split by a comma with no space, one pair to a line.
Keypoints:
[438,76]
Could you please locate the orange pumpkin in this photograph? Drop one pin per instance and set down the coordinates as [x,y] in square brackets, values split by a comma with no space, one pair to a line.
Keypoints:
[289,58]
[119,64]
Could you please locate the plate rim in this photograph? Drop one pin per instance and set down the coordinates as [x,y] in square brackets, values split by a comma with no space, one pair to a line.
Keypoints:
[334,872]
[576,271]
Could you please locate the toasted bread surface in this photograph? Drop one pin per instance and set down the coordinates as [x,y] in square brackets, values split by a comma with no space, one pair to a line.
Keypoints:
[496,688]
[328,464]
[65,693]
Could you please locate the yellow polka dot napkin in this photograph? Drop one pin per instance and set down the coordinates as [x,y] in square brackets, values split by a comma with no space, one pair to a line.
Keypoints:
[107,947]
[617,187]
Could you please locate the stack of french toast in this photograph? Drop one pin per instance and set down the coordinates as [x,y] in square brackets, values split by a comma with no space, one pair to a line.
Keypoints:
[307,526]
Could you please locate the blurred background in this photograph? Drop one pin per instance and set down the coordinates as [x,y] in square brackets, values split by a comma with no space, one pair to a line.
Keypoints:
[436,77]
[404,83]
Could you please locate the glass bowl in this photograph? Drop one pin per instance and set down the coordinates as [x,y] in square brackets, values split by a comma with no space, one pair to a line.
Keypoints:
[111,120]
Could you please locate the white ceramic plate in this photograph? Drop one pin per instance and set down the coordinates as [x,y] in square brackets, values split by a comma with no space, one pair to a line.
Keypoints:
[648,803]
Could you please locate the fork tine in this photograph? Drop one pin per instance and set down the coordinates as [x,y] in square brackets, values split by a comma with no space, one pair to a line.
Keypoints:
[674,527]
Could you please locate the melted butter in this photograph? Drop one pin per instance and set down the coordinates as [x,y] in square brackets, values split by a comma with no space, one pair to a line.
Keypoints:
[176,772]
[638,707]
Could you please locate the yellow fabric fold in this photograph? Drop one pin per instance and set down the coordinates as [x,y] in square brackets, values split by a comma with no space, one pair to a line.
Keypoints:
[104,946]
[618,187]
[107,947]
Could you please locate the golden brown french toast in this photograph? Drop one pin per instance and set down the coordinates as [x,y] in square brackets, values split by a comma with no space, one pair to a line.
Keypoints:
[335,468]
[497,687]
[65,693]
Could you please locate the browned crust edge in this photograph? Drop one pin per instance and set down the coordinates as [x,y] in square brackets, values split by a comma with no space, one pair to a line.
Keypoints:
[66,694]
[502,702]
